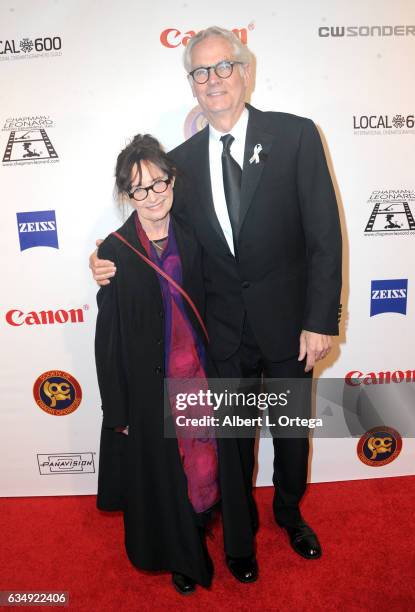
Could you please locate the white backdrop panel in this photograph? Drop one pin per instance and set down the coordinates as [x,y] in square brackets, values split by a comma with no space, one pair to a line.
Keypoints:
[109,77]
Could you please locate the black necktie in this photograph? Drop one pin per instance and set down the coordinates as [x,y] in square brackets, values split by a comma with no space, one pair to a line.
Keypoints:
[232,175]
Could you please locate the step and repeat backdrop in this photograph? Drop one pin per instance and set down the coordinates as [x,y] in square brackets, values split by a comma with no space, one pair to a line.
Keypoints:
[78,79]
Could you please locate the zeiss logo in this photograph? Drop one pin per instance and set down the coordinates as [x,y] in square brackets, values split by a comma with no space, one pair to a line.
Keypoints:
[388,296]
[37,229]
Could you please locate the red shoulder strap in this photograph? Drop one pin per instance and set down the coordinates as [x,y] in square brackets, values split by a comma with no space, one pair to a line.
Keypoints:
[169,279]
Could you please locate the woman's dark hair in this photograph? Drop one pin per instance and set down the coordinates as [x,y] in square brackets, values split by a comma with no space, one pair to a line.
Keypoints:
[143,148]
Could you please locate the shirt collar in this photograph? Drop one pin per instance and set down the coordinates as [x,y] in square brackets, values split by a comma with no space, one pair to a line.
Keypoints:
[238,131]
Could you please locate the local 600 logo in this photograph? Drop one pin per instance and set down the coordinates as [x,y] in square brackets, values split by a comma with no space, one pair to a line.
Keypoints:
[397,123]
[41,46]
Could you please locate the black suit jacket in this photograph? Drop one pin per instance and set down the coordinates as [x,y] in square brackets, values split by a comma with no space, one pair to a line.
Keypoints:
[288,273]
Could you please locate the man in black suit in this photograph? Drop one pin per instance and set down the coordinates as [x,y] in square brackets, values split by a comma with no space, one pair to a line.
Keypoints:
[256,189]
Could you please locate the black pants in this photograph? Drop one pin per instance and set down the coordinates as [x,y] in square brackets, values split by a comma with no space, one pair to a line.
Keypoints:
[237,458]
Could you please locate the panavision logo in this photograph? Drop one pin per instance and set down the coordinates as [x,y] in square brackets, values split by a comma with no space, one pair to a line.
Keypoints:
[355,378]
[381,125]
[66,463]
[366,31]
[29,142]
[23,48]
[379,446]
[57,392]
[391,213]
[17,317]
[172,37]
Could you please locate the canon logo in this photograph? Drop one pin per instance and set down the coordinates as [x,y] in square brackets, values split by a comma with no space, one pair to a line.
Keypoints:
[356,378]
[44,317]
[172,37]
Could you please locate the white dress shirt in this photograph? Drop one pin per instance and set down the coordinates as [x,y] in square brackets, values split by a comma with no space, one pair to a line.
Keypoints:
[216,178]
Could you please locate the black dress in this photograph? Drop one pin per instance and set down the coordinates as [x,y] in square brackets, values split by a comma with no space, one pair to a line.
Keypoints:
[141,474]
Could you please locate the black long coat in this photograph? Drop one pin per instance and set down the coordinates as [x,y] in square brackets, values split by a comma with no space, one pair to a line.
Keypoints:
[142,473]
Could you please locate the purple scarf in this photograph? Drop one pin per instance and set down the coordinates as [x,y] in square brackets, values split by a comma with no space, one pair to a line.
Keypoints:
[185,359]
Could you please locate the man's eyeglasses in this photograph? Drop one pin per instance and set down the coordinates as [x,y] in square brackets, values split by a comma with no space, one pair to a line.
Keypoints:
[222,69]
[159,186]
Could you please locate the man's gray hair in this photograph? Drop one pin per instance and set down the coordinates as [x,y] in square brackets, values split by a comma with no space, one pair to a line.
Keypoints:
[240,51]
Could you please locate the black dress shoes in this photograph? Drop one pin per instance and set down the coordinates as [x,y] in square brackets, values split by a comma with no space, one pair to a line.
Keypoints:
[245,569]
[303,540]
[183,584]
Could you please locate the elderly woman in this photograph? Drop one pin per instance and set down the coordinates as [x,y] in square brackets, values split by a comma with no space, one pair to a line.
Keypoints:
[148,329]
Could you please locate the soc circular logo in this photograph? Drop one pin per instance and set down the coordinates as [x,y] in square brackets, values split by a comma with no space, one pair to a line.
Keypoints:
[57,392]
[194,122]
[379,446]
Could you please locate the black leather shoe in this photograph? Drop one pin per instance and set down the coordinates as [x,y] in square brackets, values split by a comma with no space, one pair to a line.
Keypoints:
[245,569]
[183,584]
[303,540]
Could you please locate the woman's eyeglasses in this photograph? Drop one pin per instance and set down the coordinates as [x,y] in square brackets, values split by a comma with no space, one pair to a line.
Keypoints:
[159,186]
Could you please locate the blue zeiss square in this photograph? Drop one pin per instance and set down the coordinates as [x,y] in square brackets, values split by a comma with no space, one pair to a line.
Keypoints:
[388,296]
[37,229]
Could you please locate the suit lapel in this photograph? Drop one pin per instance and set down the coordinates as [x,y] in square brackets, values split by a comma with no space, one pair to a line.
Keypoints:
[256,134]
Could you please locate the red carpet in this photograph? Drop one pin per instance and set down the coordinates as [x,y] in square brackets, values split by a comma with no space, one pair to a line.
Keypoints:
[366,529]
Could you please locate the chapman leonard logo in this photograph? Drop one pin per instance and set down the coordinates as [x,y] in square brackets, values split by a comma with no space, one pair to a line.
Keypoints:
[366,31]
[28,141]
[66,463]
[383,125]
[57,393]
[391,213]
[29,48]
[17,317]
[388,296]
[173,38]
[37,229]
[379,446]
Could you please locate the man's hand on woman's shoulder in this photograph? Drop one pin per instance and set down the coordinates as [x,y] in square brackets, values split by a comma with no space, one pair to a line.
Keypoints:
[102,269]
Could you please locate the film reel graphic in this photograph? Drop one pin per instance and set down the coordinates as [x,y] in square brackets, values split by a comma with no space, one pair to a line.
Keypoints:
[396,216]
[27,145]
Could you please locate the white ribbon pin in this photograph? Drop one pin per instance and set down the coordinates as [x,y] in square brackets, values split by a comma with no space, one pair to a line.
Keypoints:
[257,151]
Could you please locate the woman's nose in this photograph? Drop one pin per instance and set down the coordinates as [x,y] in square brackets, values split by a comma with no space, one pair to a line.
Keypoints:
[151,196]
